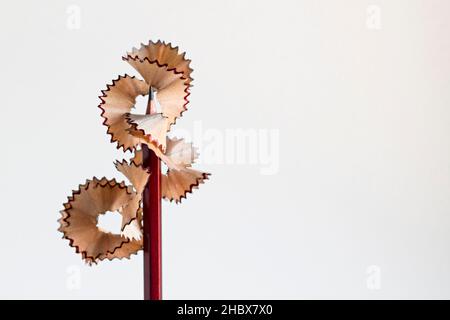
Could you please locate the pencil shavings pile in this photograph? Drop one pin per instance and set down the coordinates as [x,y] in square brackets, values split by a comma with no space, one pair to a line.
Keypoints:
[167,73]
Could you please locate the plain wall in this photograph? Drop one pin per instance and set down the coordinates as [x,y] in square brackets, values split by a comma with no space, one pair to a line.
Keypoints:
[354,95]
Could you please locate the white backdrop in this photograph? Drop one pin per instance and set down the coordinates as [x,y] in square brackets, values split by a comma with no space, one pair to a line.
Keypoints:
[342,189]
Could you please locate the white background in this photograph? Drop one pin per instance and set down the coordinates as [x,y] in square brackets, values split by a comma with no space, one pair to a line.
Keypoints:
[364,151]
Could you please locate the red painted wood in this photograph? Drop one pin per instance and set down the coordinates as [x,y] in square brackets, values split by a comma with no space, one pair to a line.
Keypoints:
[152,221]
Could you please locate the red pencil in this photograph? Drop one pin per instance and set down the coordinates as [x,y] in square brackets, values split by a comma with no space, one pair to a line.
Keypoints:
[152,219]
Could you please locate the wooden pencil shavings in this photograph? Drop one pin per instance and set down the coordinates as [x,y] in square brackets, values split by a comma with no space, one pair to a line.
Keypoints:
[138,176]
[167,78]
[135,173]
[171,87]
[179,179]
[165,54]
[152,126]
[117,102]
[181,152]
[175,184]
[79,220]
